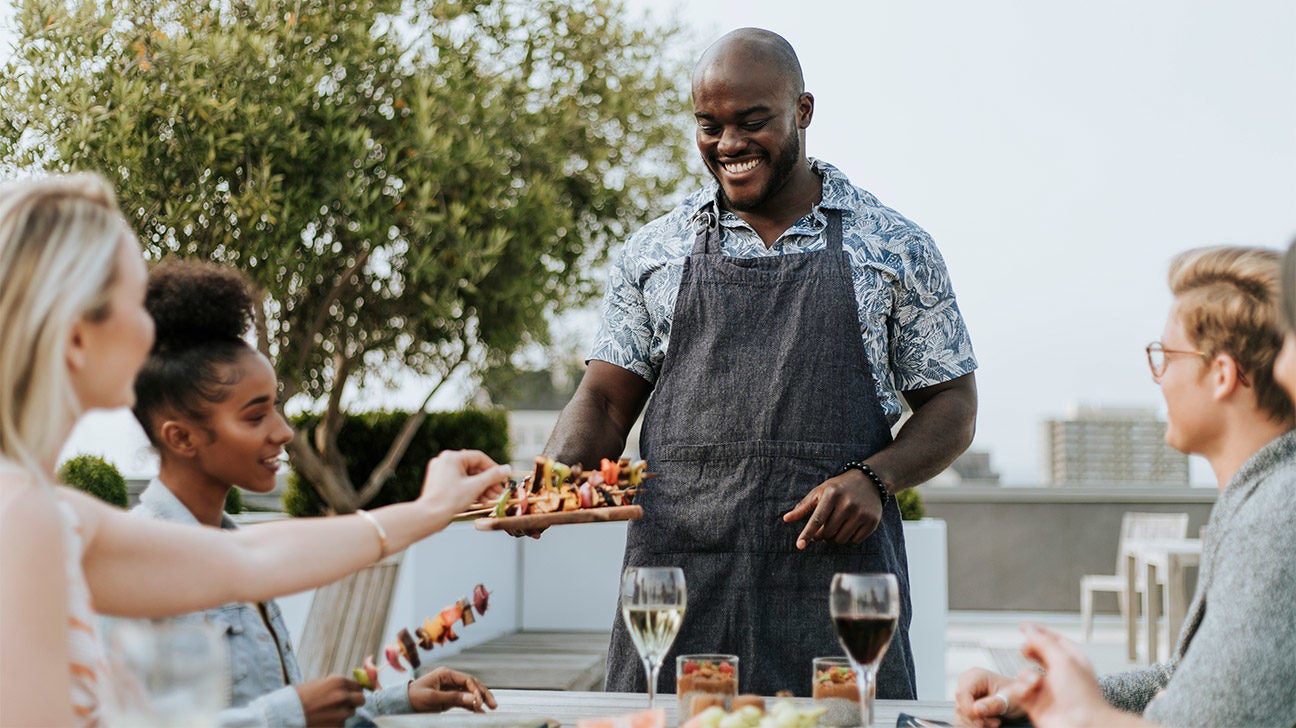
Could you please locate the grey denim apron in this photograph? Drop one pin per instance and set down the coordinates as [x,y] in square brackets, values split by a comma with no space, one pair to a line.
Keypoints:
[764,393]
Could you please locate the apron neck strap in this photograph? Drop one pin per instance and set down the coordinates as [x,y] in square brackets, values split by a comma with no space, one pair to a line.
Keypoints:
[706,230]
[834,229]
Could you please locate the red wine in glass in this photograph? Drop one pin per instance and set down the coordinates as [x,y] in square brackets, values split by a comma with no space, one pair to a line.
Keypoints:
[865,638]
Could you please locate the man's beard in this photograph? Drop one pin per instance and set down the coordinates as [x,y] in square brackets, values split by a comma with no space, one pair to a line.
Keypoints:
[782,166]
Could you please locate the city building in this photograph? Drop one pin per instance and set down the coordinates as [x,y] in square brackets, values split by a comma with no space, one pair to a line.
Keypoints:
[1111,446]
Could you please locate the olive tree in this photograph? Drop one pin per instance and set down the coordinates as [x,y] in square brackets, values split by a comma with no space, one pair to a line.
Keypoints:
[416,186]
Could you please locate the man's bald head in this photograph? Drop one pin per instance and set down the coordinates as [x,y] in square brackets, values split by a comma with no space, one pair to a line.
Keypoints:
[745,48]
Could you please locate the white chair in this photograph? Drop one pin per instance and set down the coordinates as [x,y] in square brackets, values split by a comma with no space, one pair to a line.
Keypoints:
[1134,527]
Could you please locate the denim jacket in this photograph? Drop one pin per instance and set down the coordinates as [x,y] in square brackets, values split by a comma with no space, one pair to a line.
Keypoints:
[261,657]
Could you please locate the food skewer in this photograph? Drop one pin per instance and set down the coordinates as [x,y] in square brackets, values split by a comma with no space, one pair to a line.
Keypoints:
[554,487]
[476,508]
[434,631]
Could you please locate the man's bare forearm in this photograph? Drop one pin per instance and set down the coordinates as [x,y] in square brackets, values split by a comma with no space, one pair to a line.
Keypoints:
[597,420]
[940,429]
[585,433]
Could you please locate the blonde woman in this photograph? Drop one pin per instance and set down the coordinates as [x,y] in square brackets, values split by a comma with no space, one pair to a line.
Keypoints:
[73,334]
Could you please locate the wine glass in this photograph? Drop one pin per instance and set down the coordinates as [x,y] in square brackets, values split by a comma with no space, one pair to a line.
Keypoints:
[165,674]
[652,602]
[865,609]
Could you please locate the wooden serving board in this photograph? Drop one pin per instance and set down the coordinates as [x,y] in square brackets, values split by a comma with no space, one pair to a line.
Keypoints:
[544,520]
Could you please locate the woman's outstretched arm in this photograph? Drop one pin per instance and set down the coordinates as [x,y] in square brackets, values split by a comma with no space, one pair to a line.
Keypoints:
[144,568]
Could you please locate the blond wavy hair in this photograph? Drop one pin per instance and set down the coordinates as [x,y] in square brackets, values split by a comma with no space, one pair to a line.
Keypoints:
[59,238]
[1228,300]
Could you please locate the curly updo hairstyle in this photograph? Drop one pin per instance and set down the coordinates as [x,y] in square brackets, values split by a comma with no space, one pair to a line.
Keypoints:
[202,311]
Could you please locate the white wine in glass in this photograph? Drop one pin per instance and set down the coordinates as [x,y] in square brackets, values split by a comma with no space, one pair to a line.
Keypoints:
[653,600]
[865,609]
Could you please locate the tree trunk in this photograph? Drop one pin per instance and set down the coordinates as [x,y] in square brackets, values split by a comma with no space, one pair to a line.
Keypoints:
[332,485]
[387,467]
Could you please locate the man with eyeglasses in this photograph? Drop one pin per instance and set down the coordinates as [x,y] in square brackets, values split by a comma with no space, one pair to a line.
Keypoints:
[1233,662]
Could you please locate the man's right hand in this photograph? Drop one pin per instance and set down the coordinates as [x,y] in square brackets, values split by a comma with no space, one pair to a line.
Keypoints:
[330,700]
[977,701]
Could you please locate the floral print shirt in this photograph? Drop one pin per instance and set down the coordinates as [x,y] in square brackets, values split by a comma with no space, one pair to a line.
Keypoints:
[913,332]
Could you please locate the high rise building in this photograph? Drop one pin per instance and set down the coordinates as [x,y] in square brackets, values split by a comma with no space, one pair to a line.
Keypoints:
[1111,446]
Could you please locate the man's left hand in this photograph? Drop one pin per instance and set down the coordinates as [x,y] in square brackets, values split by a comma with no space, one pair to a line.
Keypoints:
[843,509]
[442,689]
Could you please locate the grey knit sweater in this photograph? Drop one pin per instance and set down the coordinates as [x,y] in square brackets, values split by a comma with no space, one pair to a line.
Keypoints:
[1234,663]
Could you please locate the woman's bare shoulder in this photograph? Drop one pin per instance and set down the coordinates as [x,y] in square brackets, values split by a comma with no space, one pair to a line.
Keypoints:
[27,508]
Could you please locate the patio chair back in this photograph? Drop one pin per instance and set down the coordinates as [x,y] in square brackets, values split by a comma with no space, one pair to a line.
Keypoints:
[1147,526]
[346,620]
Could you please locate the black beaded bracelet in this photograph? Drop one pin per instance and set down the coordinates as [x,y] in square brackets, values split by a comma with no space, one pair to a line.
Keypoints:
[872,475]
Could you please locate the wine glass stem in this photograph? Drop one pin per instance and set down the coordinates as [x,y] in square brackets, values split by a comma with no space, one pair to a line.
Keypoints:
[651,668]
[864,680]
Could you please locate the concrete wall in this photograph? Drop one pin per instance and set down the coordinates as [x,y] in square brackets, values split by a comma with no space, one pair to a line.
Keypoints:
[1025,549]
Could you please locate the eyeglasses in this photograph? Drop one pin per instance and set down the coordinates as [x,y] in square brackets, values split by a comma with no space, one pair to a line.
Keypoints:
[1158,357]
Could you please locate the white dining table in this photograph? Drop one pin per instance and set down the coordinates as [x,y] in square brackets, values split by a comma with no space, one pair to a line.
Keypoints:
[547,708]
[1162,559]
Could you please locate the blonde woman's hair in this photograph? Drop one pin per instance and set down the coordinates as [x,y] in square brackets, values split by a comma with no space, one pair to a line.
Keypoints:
[59,238]
[1229,301]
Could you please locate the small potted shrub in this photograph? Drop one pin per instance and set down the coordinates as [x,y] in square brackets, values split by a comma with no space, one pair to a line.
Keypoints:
[911,504]
[96,476]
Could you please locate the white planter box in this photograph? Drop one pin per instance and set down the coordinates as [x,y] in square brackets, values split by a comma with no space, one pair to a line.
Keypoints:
[929,593]
[571,578]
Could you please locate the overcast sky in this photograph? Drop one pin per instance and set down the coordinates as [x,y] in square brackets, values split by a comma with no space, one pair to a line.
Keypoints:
[1060,154]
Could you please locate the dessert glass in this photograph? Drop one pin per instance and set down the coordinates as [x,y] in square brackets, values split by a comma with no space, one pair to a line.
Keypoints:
[702,681]
[833,687]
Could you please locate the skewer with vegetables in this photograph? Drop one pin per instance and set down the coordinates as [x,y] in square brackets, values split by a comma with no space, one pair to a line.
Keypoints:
[434,631]
[555,487]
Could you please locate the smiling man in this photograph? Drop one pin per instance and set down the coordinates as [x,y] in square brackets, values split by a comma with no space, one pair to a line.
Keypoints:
[777,317]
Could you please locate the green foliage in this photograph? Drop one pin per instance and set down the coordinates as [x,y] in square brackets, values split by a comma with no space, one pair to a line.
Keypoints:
[415,185]
[96,476]
[363,441]
[911,504]
[234,501]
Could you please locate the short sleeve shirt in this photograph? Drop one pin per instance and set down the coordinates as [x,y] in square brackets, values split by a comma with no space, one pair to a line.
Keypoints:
[910,323]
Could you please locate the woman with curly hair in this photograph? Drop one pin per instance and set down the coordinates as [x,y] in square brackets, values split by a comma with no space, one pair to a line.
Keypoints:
[207,401]
[73,334]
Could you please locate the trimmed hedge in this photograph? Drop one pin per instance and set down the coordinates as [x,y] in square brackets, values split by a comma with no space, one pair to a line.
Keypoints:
[96,476]
[364,441]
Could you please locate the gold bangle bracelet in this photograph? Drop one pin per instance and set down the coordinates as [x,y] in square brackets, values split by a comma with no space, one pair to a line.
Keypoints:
[382,534]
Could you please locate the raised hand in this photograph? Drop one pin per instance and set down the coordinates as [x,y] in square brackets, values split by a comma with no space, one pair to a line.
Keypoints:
[1067,693]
